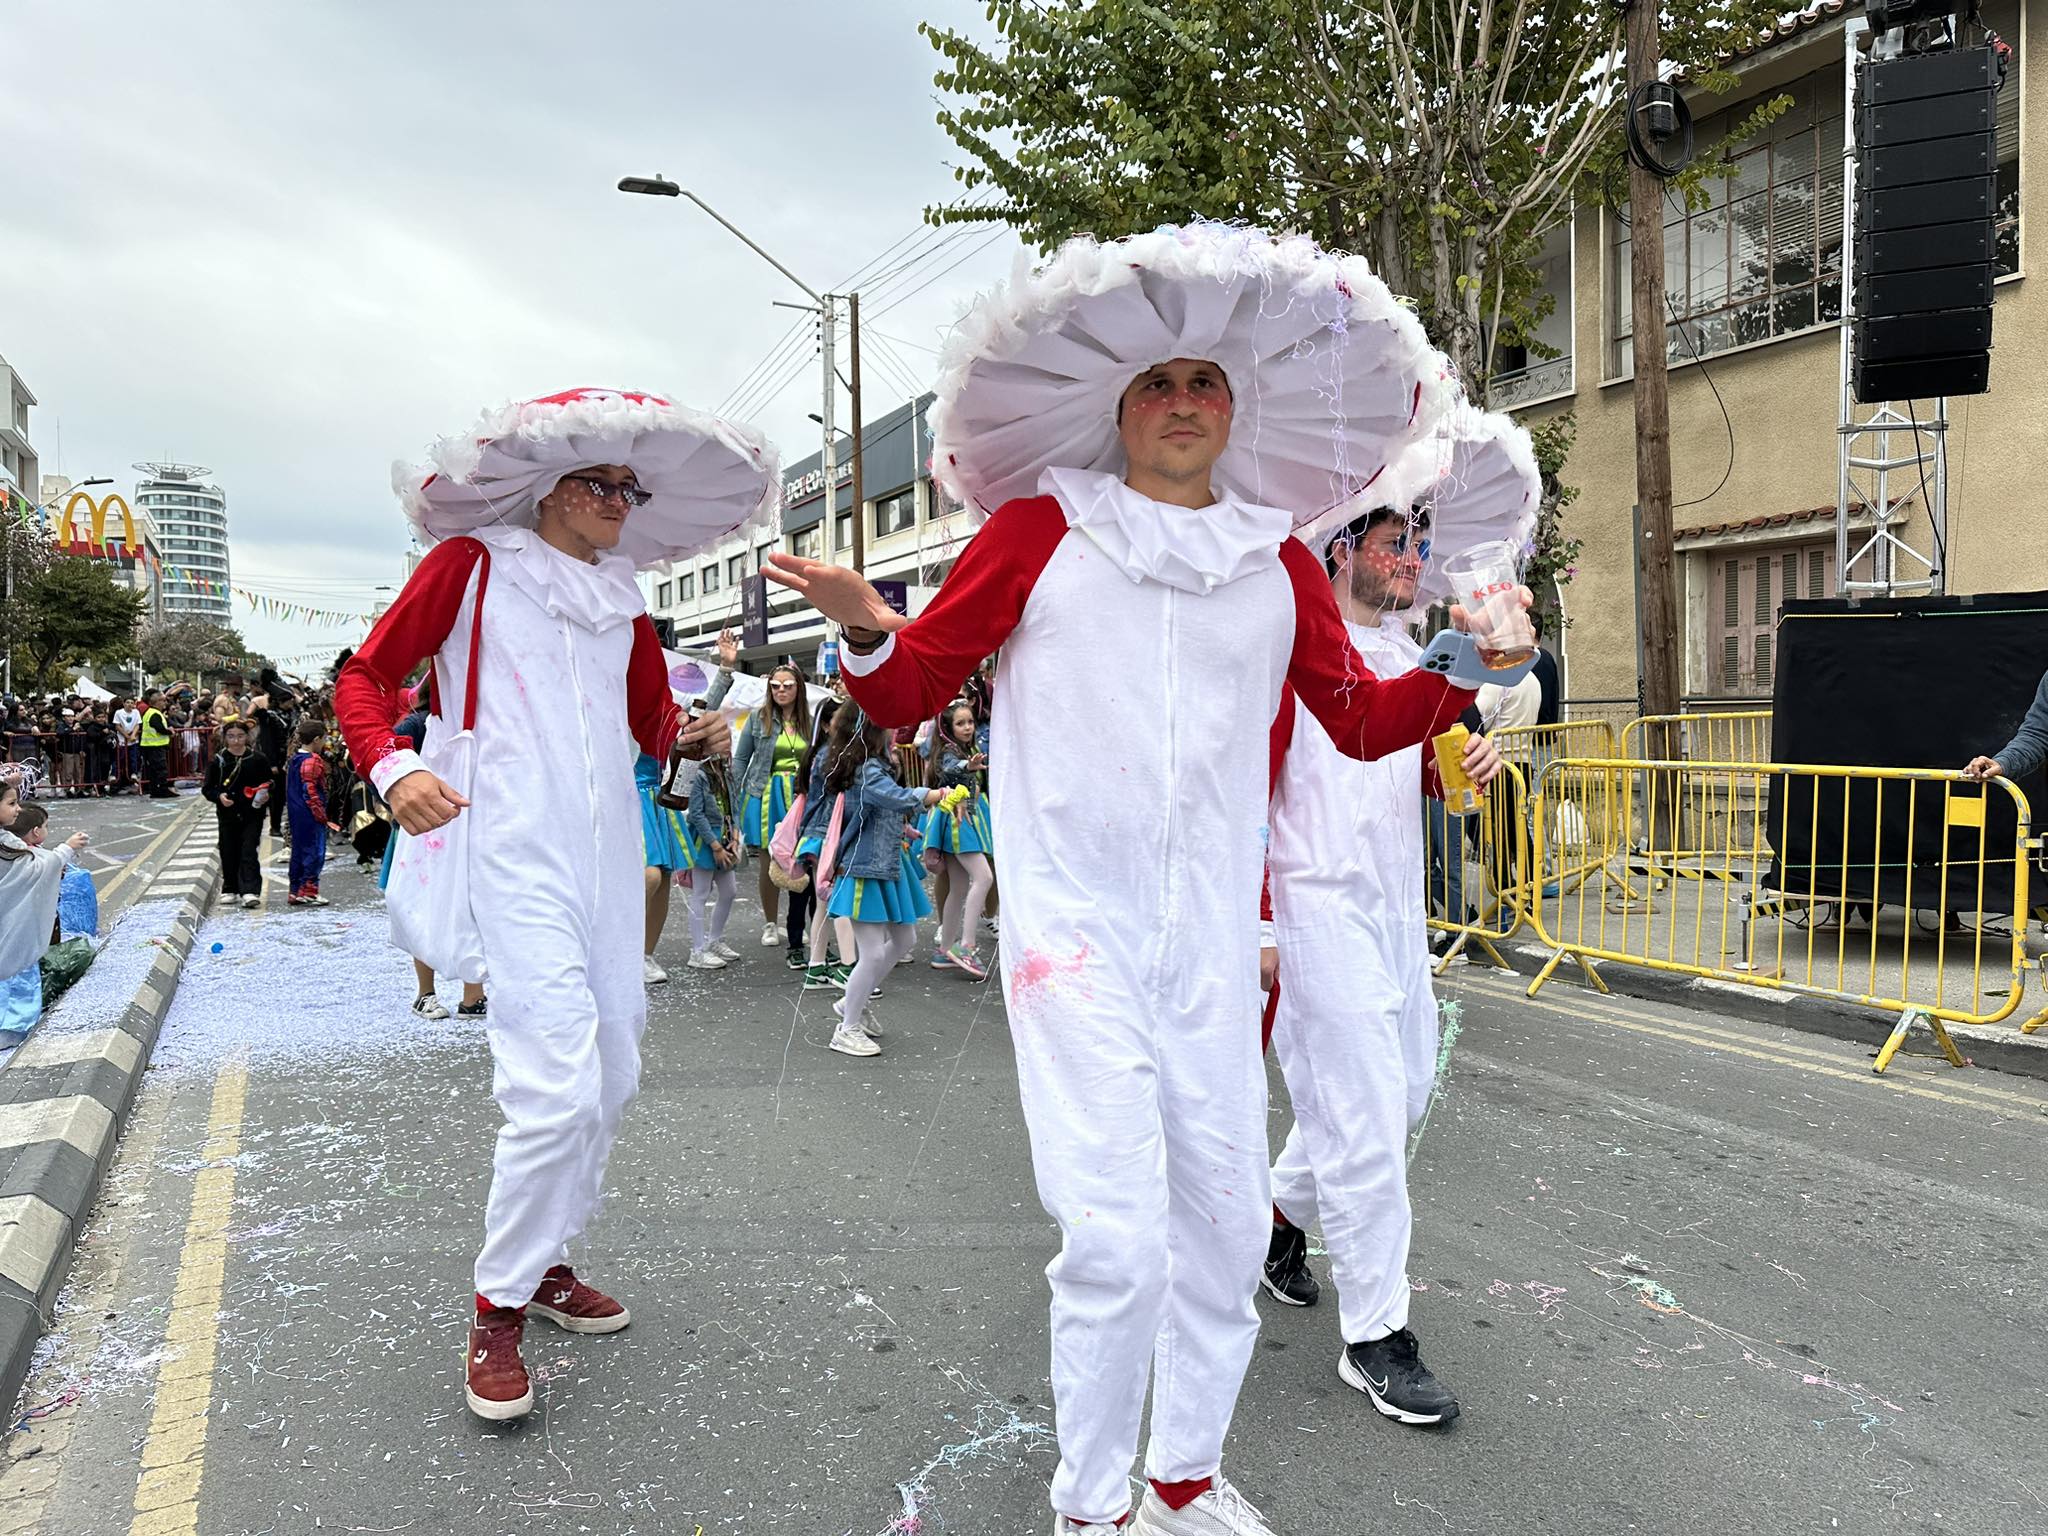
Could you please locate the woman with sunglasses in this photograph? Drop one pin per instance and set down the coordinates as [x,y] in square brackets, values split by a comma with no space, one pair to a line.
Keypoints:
[772,743]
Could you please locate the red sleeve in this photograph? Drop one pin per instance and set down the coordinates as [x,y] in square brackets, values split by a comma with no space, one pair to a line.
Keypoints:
[978,605]
[651,710]
[1280,738]
[1367,717]
[367,697]
[313,774]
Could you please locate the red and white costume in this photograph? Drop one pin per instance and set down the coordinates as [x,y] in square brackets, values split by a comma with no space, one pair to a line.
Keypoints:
[571,685]
[1131,865]
[1355,1025]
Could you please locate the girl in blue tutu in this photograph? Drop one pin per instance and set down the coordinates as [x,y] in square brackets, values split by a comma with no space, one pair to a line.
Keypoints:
[959,843]
[712,848]
[832,731]
[663,833]
[876,881]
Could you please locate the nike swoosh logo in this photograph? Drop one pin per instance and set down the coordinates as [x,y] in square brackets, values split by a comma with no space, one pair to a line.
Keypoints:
[1379,1386]
[482,1355]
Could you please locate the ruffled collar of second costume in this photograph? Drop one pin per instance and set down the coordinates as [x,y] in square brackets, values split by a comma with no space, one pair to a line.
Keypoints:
[1195,551]
[597,595]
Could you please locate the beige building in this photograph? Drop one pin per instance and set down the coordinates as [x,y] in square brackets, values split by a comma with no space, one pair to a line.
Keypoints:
[1754,286]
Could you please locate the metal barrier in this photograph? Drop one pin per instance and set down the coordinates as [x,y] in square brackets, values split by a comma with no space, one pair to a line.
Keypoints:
[1709,736]
[69,764]
[1785,858]
[1577,845]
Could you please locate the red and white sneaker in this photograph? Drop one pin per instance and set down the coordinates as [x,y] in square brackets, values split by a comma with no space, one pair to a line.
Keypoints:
[494,1376]
[568,1303]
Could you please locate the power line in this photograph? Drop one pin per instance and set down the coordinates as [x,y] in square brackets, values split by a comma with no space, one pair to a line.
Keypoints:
[934,277]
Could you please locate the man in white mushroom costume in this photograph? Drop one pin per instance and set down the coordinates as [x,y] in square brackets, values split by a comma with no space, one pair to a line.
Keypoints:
[1355,1024]
[1142,421]
[523,851]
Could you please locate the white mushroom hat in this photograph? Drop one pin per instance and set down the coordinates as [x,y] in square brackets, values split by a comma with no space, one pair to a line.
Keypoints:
[1475,475]
[1330,376]
[707,477]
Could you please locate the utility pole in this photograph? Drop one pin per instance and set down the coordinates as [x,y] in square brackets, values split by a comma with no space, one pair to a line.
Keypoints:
[828,519]
[1657,615]
[860,531]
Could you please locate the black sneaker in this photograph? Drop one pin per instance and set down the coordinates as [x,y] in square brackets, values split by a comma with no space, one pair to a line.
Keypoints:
[1287,1278]
[796,960]
[480,1009]
[1391,1373]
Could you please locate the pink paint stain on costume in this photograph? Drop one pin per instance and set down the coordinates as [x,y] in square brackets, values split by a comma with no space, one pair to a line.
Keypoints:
[1038,976]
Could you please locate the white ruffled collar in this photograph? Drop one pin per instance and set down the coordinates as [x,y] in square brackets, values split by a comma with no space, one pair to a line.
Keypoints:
[598,596]
[1194,551]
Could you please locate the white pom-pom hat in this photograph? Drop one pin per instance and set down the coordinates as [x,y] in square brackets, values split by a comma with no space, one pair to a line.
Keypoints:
[1330,377]
[708,477]
[1475,476]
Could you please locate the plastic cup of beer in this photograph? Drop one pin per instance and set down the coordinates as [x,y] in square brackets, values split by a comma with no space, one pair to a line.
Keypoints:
[1487,579]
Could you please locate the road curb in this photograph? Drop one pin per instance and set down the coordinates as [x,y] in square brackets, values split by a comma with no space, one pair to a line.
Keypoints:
[1999,1046]
[66,1093]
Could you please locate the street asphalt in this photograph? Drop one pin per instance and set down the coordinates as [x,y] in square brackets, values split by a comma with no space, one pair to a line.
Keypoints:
[1686,1274]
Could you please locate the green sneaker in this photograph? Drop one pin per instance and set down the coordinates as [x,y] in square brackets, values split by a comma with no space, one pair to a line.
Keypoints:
[819,978]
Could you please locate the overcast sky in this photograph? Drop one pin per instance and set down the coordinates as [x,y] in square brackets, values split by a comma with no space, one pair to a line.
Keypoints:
[293,243]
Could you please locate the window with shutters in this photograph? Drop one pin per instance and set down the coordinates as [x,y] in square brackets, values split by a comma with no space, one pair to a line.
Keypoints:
[1749,589]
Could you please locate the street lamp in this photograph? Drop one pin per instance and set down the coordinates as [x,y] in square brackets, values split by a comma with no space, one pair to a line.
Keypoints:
[828,309]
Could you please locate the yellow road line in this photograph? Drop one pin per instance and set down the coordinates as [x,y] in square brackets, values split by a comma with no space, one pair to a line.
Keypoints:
[1867,1079]
[113,885]
[1606,1009]
[174,1451]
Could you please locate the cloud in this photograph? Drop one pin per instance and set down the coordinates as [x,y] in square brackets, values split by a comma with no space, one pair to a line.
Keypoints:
[295,243]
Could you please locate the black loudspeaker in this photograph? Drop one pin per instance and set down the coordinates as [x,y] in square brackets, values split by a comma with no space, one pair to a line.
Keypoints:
[1926,196]
[1898,683]
[665,632]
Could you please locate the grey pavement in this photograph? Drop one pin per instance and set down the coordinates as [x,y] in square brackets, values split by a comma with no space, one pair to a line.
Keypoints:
[1685,1274]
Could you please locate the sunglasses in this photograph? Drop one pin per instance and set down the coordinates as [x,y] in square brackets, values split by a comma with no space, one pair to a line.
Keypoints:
[1401,548]
[628,495]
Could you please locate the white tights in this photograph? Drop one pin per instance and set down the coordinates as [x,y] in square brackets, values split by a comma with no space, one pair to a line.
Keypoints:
[881,946]
[969,881]
[703,882]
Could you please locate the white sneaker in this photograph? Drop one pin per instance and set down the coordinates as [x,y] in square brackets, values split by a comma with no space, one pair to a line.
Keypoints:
[851,1042]
[251,903]
[725,951]
[868,1026]
[430,1007]
[1222,1511]
[705,960]
[770,936]
[650,973]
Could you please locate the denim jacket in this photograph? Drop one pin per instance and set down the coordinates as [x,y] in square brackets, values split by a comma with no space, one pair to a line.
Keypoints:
[817,801]
[953,769]
[871,828]
[705,818]
[753,756]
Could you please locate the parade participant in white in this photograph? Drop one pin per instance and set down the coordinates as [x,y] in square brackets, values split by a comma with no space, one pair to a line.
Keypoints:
[1356,1025]
[1132,412]
[528,606]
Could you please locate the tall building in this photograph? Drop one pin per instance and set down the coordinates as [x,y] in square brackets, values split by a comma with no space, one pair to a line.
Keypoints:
[191,519]
[20,470]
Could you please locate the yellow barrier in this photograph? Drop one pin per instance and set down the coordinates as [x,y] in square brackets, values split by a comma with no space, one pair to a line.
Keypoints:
[1787,858]
[1578,845]
[1485,868]
[1724,736]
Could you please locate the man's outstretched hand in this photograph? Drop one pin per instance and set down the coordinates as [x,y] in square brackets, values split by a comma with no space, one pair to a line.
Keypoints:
[839,592]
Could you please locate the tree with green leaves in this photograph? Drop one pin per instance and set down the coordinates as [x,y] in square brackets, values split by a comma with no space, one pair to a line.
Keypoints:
[194,648]
[1439,138]
[1442,139]
[70,611]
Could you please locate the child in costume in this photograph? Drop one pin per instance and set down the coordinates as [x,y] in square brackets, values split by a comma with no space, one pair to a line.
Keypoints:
[305,797]
[665,843]
[833,730]
[31,878]
[771,745]
[711,849]
[238,786]
[876,883]
[959,843]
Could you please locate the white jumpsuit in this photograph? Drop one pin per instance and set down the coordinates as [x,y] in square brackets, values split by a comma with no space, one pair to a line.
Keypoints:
[1143,653]
[556,857]
[1356,1025]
